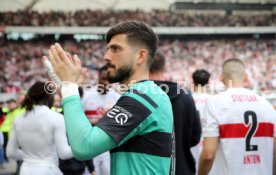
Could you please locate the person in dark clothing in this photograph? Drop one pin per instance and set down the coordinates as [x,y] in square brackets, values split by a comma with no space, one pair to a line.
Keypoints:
[187,125]
[75,167]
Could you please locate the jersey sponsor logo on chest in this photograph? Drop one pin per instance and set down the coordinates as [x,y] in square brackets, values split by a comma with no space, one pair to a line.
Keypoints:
[120,115]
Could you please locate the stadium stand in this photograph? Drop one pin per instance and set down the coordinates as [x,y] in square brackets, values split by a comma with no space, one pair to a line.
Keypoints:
[21,61]
[156,18]
[190,38]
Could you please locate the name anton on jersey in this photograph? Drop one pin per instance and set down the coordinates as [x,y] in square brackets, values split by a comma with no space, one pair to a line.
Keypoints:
[252,159]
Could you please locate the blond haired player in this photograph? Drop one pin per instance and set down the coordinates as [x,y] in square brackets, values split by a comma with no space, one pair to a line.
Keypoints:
[239,133]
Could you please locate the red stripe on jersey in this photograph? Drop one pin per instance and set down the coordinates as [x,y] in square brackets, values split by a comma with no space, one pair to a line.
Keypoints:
[238,130]
[91,112]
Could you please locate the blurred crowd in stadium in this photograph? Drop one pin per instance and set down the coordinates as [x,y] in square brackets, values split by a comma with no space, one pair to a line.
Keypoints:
[21,61]
[154,18]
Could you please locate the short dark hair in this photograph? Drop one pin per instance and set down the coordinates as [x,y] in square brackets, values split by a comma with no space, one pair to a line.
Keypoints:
[201,77]
[38,95]
[158,64]
[137,32]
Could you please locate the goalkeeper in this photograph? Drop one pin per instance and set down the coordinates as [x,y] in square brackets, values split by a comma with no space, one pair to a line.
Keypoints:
[138,129]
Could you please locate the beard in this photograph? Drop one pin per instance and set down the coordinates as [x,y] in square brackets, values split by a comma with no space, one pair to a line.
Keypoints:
[121,75]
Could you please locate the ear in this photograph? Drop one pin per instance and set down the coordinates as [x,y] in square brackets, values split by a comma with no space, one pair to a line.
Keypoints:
[142,57]
[246,81]
[166,69]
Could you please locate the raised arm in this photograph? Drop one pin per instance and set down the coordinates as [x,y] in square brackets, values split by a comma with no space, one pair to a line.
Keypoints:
[86,141]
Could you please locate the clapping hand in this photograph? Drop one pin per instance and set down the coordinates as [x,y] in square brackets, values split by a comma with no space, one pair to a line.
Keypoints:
[64,67]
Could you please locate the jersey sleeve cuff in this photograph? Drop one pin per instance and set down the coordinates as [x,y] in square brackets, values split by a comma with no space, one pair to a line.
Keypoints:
[69,89]
[210,134]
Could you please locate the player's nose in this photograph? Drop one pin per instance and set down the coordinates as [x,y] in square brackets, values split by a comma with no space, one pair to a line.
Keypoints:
[107,56]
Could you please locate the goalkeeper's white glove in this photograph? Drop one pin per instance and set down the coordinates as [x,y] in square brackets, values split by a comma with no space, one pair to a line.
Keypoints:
[51,72]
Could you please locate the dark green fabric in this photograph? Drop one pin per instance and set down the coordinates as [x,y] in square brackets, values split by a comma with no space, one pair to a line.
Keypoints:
[111,132]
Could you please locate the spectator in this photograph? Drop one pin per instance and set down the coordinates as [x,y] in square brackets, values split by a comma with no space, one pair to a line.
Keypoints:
[1,149]
[23,67]
[156,18]
[6,127]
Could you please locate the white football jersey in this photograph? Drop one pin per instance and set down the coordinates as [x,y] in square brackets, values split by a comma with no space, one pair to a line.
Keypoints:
[96,105]
[200,101]
[245,124]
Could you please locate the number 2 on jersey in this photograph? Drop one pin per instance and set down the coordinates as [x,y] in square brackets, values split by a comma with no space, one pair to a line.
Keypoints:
[251,131]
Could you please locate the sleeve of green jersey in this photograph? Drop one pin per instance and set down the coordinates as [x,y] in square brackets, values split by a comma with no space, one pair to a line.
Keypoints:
[86,141]
[125,119]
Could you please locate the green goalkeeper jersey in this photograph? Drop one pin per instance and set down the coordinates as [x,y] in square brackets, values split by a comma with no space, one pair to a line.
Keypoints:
[137,130]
